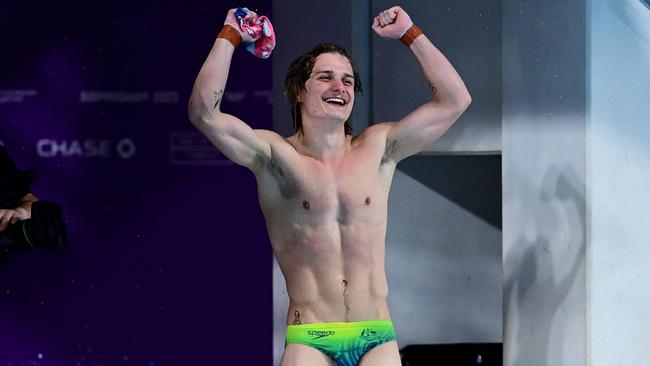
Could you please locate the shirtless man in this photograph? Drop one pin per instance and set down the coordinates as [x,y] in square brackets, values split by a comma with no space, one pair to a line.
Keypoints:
[324,192]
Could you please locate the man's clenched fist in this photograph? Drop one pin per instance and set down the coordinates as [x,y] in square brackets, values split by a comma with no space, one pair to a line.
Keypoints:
[392,23]
[231,20]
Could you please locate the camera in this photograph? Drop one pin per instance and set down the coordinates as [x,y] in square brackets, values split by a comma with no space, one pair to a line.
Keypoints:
[45,228]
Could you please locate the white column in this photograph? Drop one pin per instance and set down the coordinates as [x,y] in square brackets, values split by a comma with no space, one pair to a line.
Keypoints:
[618,138]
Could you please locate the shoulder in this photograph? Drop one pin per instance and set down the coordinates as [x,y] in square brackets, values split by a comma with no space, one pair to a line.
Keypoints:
[275,138]
[281,152]
[375,135]
[276,141]
[378,130]
[268,135]
[375,140]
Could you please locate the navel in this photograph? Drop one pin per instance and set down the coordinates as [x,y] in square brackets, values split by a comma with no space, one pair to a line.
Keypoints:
[346,296]
[305,204]
[367,201]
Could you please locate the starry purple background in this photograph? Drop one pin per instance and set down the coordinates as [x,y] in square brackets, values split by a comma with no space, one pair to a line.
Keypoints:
[169,264]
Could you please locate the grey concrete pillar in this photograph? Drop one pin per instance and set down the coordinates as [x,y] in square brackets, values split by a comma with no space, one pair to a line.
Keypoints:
[544,217]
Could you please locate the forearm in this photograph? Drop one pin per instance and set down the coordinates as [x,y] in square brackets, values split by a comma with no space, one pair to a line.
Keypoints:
[205,101]
[446,85]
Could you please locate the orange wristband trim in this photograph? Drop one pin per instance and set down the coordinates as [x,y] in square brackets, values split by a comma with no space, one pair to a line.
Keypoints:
[231,34]
[411,34]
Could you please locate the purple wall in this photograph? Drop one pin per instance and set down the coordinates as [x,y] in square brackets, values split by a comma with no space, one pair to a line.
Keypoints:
[170,262]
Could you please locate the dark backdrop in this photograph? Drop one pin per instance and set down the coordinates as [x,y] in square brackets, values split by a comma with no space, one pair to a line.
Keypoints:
[169,261]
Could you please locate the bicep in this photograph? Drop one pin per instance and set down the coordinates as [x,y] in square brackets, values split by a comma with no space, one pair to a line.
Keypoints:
[236,140]
[417,130]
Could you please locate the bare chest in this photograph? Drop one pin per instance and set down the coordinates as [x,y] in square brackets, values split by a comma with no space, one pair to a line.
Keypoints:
[309,192]
[339,195]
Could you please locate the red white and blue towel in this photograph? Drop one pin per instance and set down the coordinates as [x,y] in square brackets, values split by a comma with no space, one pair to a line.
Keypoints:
[260,29]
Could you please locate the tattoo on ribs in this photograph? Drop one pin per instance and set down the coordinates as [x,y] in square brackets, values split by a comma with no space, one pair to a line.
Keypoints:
[217,96]
[432,88]
[297,319]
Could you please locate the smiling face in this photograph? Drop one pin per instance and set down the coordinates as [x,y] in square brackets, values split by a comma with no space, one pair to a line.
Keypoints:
[329,91]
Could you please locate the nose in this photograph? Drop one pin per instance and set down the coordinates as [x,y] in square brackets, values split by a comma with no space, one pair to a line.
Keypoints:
[338,85]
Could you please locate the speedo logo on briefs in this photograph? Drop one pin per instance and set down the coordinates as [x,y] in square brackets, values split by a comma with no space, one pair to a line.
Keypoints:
[367,332]
[320,333]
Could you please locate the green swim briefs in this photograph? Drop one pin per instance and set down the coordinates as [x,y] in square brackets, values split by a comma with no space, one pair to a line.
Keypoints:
[343,342]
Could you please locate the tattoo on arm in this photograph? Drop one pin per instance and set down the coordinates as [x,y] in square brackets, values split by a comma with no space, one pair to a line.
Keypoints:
[297,320]
[217,96]
[432,88]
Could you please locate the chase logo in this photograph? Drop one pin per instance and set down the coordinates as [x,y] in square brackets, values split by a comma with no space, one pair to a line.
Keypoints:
[318,334]
[89,148]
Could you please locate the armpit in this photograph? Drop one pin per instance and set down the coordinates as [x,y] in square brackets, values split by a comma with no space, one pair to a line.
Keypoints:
[269,172]
[391,147]
[274,167]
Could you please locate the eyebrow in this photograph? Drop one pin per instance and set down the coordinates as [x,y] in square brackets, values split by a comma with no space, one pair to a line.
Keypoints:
[330,72]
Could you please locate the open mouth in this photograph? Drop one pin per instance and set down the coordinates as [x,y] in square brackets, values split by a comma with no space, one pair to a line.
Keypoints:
[335,101]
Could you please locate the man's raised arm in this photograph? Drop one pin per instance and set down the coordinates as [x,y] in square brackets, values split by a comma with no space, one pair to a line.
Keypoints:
[234,138]
[449,98]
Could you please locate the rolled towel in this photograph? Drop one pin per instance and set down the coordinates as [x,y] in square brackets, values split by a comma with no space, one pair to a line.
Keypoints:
[260,29]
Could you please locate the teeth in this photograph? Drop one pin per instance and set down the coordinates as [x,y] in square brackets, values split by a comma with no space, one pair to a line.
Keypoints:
[335,100]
